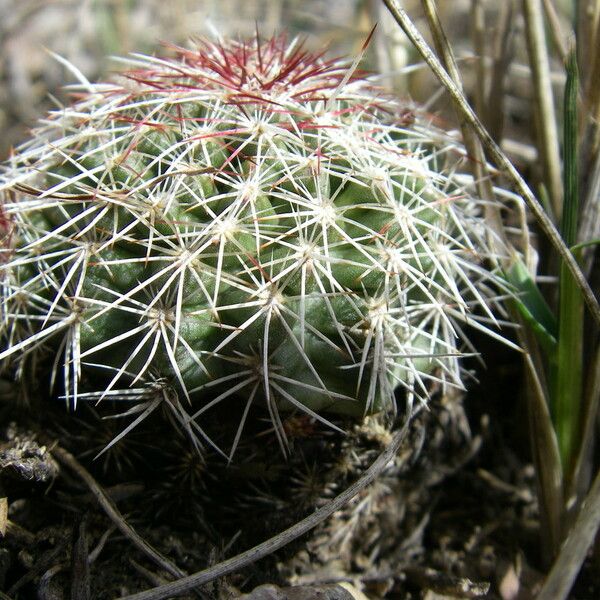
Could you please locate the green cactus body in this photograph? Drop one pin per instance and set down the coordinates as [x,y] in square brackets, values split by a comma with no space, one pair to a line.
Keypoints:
[244,220]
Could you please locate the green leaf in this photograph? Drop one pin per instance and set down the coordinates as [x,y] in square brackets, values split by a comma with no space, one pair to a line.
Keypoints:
[532,306]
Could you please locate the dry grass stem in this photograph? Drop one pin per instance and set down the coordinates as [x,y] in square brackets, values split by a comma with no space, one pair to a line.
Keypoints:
[502,57]
[581,472]
[479,46]
[546,456]
[587,19]
[589,223]
[574,550]
[558,37]
[592,103]
[545,115]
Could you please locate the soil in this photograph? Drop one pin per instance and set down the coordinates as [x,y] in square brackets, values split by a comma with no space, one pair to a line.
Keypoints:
[453,516]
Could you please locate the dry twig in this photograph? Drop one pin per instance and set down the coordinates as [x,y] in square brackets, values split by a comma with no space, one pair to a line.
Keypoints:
[67,459]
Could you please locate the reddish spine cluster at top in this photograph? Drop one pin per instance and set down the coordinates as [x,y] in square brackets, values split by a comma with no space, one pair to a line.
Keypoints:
[247,69]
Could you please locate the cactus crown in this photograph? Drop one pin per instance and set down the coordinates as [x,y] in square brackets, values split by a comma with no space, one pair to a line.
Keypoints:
[246,222]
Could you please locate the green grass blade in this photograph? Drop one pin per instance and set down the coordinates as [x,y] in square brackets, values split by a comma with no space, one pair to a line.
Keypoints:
[568,367]
[583,245]
[532,306]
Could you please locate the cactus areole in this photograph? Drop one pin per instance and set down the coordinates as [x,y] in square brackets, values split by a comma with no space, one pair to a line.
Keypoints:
[246,223]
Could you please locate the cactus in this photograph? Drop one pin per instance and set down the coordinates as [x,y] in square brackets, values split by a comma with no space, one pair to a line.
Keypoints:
[246,223]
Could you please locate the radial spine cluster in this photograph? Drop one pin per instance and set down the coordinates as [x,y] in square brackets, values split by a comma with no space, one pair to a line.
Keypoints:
[245,223]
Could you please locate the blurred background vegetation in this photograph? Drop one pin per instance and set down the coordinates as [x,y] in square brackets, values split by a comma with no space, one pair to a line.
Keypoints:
[89,32]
